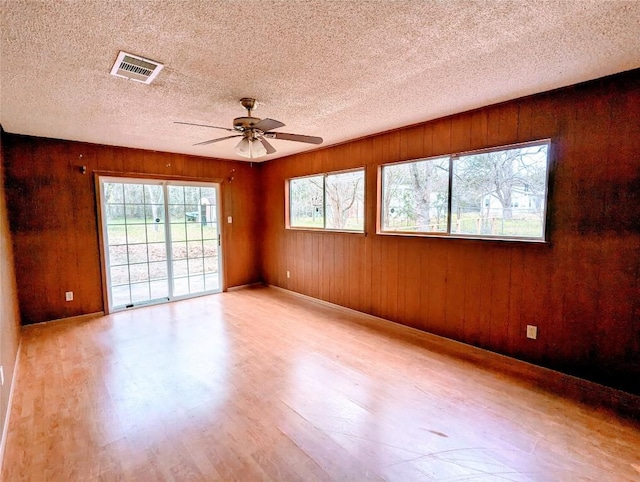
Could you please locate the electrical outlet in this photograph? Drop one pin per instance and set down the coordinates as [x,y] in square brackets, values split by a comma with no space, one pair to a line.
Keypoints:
[1,375]
[68,296]
[288,274]
[229,219]
[532,332]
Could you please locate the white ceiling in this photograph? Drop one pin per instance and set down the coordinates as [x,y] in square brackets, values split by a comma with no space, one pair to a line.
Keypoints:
[335,69]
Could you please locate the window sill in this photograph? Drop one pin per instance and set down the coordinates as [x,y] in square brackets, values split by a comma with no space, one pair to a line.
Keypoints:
[324,230]
[510,239]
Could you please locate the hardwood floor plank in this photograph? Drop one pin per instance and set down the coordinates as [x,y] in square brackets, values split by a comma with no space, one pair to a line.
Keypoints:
[259,384]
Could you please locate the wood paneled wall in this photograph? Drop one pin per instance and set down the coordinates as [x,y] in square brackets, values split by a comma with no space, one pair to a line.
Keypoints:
[581,289]
[53,217]
[9,315]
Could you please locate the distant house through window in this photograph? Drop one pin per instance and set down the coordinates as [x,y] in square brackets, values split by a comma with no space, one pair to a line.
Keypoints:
[495,193]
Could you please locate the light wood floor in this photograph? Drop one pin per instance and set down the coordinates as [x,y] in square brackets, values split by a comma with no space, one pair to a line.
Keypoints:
[257,384]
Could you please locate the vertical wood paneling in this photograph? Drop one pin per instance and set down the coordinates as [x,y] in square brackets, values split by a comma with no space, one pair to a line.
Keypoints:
[474,284]
[425,284]
[441,143]
[479,120]
[9,307]
[436,265]
[516,275]
[581,290]
[412,284]
[354,273]
[461,133]
[401,279]
[340,269]
[391,265]
[455,292]
[376,276]
[53,213]
[500,286]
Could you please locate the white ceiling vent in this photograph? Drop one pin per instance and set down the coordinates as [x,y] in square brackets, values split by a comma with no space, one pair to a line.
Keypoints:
[136,68]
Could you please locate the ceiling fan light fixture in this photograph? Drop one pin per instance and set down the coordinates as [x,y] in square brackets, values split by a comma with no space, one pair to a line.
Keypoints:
[250,148]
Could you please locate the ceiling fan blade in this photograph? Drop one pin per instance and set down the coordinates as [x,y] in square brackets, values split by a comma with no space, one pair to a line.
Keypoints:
[270,149]
[268,124]
[294,137]
[216,140]
[203,125]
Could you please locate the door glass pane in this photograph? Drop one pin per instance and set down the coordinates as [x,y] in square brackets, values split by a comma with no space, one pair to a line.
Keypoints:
[120,295]
[179,250]
[176,195]
[194,231]
[140,292]
[154,213]
[194,249]
[115,214]
[210,247]
[113,194]
[116,235]
[211,273]
[139,272]
[157,251]
[196,284]
[136,233]
[155,233]
[159,289]
[133,194]
[119,275]
[178,232]
[138,253]
[196,266]
[180,268]
[158,270]
[181,286]
[118,255]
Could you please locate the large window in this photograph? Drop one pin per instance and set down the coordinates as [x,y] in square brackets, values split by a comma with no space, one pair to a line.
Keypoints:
[333,201]
[497,193]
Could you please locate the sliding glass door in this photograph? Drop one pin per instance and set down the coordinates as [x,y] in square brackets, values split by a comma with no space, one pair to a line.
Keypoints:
[161,240]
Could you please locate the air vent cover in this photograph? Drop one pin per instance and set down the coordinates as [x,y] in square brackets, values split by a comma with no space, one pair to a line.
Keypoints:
[136,68]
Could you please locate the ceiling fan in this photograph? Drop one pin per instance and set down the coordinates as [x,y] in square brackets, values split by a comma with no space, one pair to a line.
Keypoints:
[254,133]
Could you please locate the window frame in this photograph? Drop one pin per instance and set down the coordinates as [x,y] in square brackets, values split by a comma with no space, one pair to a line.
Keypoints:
[324,227]
[543,239]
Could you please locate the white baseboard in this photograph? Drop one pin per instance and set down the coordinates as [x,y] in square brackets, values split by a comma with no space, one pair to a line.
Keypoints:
[7,417]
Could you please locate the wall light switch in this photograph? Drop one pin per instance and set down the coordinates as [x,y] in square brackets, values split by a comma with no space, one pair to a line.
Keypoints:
[532,332]
[1,376]
[68,296]
[288,274]
[229,219]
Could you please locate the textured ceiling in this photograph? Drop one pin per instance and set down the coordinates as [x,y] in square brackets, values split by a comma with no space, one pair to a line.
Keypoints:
[335,69]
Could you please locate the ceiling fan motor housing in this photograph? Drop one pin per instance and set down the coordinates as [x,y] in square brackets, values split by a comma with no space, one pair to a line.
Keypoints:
[243,123]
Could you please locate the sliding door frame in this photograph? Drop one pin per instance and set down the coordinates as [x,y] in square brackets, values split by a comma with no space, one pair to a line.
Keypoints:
[222,195]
